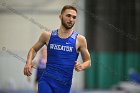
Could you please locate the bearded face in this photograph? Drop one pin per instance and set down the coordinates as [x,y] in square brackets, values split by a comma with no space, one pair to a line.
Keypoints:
[67,25]
[68,18]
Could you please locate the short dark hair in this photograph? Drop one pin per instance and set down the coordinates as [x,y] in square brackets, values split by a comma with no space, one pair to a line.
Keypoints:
[68,7]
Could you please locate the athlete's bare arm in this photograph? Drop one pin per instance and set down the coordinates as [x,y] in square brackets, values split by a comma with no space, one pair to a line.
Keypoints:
[82,48]
[43,39]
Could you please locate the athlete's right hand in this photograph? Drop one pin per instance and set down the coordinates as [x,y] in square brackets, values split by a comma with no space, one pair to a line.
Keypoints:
[28,69]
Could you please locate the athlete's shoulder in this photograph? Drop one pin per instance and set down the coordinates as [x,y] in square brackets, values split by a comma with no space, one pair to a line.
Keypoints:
[81,37]
[45,34]
[81,40]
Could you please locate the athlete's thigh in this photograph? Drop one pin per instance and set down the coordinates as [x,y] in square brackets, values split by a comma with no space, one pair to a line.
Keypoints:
[60,88]
[44,87]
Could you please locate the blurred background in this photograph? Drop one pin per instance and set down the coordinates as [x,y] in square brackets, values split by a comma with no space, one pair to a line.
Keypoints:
[112,29]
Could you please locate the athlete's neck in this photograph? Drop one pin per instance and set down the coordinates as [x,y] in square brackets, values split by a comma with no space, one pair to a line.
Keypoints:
[64,30]
[64,33]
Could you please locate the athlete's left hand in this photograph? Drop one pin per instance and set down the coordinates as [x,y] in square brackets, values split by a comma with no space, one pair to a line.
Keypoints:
[78,66]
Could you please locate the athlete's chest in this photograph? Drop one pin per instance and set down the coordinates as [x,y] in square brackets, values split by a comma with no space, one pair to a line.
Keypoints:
[67,45]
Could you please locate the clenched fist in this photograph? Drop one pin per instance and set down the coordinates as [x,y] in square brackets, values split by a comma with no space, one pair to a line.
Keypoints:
[78,67]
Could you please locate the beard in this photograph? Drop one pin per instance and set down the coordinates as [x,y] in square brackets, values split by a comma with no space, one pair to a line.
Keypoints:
[67,26]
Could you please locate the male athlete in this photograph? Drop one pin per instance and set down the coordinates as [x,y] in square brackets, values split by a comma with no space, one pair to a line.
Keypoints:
[63,47]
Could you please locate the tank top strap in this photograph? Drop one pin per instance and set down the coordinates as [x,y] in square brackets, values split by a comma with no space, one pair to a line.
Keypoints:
[74,35]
